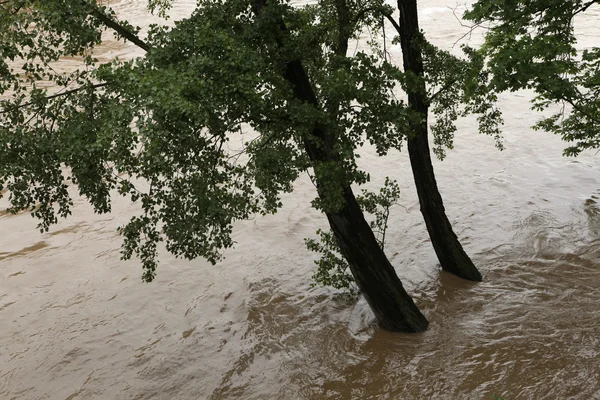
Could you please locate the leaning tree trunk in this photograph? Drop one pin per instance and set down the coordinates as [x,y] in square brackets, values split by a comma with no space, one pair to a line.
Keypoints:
[375,276]
[449,251]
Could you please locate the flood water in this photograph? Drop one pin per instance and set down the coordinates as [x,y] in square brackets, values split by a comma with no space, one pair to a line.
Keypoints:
[78,323]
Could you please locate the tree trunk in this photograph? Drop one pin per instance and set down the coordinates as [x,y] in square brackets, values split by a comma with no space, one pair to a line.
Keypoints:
[449,251]
[375,276]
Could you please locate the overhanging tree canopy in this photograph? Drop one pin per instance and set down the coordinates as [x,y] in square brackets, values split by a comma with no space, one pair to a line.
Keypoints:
[157,128]
[532,44]
[166,118]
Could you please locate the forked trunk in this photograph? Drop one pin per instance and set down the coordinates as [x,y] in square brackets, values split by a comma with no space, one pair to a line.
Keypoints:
[449,251]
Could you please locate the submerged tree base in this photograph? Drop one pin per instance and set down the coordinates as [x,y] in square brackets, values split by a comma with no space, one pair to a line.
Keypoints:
[448,249]
[374,274]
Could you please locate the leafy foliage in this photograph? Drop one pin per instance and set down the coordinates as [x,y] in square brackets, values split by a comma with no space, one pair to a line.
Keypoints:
[459,87]
[332,269]
[204,129]
[160,128]
[531,44]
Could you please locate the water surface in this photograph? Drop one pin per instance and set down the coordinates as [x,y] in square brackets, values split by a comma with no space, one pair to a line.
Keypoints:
[77,323]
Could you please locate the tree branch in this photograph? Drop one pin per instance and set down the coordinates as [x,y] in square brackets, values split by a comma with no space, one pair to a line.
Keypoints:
[120,29]
[586,6]
[447,86]
[381,11]
[68,92]
[106,20]
[17,8]
[362,13]
[393,21]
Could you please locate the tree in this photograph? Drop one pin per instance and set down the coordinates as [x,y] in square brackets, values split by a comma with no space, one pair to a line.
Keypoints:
[154,128]
[448,249]
[459,85]
[532,44]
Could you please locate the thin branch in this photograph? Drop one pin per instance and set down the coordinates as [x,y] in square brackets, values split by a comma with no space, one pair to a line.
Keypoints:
[582,111]
[17,8]
[68,92]
[384,40]
[108,21]
[120,29]
[380,10]
[393,21]
[445,87]
[586,6]
[472,28]
[572,102]
[362,13]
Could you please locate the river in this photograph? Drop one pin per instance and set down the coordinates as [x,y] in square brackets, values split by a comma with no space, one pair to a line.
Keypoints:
[78,323]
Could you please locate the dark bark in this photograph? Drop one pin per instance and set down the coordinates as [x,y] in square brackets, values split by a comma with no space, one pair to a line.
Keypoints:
[374,274]
[449,251]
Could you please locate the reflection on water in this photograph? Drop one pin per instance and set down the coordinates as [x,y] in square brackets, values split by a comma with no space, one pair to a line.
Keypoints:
[77,323]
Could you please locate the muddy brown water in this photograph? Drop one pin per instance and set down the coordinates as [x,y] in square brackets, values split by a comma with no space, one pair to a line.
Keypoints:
[77,323]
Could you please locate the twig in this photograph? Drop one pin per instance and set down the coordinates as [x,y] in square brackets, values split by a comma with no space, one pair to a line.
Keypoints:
[471,27]
[384,40]
[68,92]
